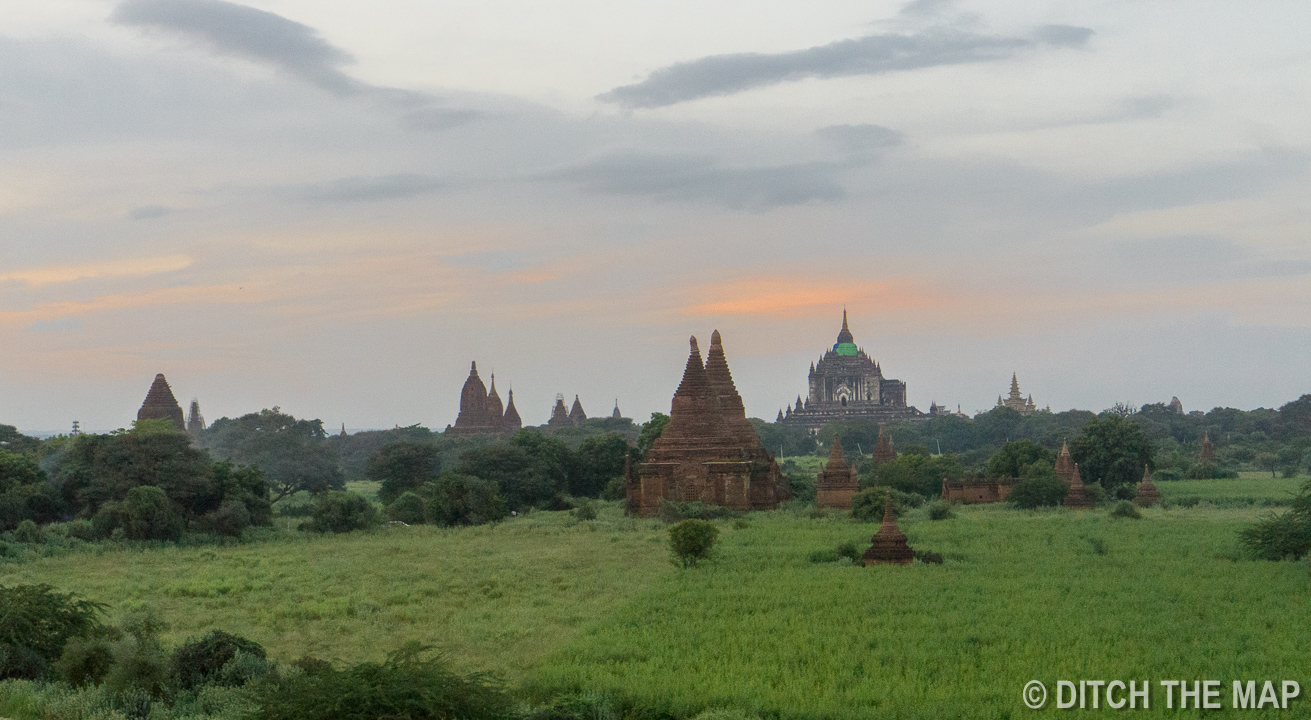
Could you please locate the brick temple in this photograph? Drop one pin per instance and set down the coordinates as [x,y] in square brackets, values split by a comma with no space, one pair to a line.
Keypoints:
[161,405]
[481,412]
[977,491]
[1147,495]
[836,484]
[708,452]
[846,384]
[889,545]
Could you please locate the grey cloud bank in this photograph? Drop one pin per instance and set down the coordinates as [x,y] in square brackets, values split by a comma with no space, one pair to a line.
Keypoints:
[718,75]
[248,33]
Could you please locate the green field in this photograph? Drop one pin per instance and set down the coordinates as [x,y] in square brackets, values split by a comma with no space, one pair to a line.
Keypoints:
[552,604]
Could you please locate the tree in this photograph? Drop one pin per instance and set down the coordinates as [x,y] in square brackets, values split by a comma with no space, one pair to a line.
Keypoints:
[917,473]
[651,431]
[1113,451]
[691,541]
[455,499]
[597,461]
[35,624]
[531,470]
[1038,486]
[338,511]
[293,454]
[402,466]
[1015,456]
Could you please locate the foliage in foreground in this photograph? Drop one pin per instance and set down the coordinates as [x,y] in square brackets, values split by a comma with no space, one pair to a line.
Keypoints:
[35,623]
[410,684]
[691,541]
[1283,536]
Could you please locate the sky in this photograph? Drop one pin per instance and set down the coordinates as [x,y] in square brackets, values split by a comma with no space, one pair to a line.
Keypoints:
[333,207]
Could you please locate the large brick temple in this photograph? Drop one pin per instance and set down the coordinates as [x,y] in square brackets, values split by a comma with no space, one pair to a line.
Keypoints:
[480,409]
[708,452]
[160,404]
[846,384]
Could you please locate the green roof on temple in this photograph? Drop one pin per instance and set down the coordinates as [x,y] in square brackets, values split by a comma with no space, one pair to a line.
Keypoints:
[845,348]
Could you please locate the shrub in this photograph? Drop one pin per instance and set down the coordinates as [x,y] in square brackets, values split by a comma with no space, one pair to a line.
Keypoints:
[35,624]
[691,541]
[940,511]
[402,466]
[86,661]
[1038,491]
[146,514]
[29,532]
[1096,493]
[408,508]
[928,557]
[141,667]
[1125,509]
[1287,535]
[586,511]
[867,505]
[243,668]
[199,662]
[340,511]
[407,685]
[455,499]
[616,489]
[848,549]
[80,529]
[230,519]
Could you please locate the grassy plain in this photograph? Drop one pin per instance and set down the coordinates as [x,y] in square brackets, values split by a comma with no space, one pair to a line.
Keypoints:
[555,604]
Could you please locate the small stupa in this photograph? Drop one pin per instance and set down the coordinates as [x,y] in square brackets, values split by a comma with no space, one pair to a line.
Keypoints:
[888,546]
[1147,495]
[883,449]
[836,484]
[1065,464]
[1208,451]
[1076,498]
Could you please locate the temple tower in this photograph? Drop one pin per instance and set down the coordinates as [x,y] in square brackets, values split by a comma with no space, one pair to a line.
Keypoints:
[1076,498]
[494,410]
[161,405]
[889,546]
[883,449]
[576,414]
[1208,451]
[195,421]
[836,484]
[474,418]
[559,414]
[1147,495]
[1065,464]
[616,415]
[510,422]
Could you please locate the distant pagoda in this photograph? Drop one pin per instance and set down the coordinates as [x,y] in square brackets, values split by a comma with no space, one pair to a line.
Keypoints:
[1065,464]
[195,421]
[480,409]
[836,484]
[1147,495]
[161,405]
[1015,400]
[708,452]
[1208,451]
[889,546]
[884,451]
[847,384]
[1076,498]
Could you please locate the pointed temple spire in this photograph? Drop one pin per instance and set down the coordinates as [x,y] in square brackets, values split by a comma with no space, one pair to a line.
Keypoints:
[884,451]
[494,409]
[161,405]
[836,484]
[576,414]
[1076,498]
[1065,464]
[844,335]
[703,453]
[195,421]
[1208,451]
[889,546]
[616,415]
[510,422]
[474,418]
[1147,495]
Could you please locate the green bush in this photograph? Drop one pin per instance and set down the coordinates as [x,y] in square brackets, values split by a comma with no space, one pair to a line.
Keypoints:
[86,660]
[35,624]
[455,499]
[230,519]
[1096,493]
[402,467]
[940,511]
[29,532]
[616,489]
[141,667]
[1038,491]
[199,662]
[1283,536]
[928,557]
[586,511]
[147,514]
[867,505]
[1125,509]
[408,508]
[848,549]
[341,511]
[691,541]
[409,685]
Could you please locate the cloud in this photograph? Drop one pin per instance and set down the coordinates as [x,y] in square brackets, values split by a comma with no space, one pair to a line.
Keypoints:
[137,267]
[701,179]
[248,33]
[149,212]
[861,141]
[367,188]
[63,324]
[719,75]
